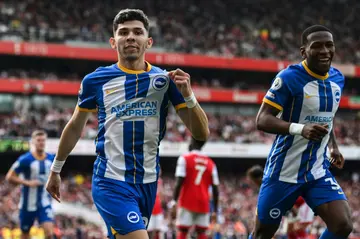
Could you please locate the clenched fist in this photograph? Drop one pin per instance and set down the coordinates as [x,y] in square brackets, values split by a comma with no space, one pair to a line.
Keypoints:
[314,132]
[182,82]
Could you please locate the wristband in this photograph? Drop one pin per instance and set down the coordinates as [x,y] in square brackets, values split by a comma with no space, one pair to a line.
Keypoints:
[296,129]
[57,166]
[172,203]
[190,101]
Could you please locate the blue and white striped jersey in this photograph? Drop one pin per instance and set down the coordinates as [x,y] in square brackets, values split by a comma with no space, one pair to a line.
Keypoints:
[303,97]
[132,107]
[30,167]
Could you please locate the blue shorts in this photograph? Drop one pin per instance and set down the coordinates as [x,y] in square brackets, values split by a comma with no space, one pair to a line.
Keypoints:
[43,214]
[125,207]
[276,197]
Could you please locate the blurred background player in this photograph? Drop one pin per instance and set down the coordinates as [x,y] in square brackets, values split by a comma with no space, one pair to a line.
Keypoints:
[195,172]
[156,222]
[255,175]
[31,170]
[308,96]
[214,230]
[131,98]
[297,223]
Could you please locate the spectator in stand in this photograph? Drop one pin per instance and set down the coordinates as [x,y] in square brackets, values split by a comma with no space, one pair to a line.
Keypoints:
[207,27]
[223,128]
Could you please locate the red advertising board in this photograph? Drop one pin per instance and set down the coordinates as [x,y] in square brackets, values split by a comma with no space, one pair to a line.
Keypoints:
[157,58]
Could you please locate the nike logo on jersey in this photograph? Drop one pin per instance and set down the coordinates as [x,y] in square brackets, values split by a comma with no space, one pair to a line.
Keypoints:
[307,96]
[109,91]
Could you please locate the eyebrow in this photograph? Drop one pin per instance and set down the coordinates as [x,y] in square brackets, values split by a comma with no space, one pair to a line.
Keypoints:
[130,28]
[318,41]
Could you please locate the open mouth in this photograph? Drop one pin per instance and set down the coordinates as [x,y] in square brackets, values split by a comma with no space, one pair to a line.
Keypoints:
[324,60]
[131,47]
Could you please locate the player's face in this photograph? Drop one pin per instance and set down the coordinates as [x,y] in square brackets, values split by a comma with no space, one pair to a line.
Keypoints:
[39,143]
[131,40]
[319,51]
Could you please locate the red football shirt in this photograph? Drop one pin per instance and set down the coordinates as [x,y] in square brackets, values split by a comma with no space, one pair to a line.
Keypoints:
[200,173]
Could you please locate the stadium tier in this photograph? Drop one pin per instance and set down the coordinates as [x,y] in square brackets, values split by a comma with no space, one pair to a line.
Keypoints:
[234,28]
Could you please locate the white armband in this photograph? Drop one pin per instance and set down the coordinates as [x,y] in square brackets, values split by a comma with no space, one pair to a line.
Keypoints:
[296,129]
[190,101]
[57,166]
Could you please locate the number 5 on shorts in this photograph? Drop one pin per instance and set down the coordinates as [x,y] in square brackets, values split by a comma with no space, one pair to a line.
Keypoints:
[334,184]
[201,169]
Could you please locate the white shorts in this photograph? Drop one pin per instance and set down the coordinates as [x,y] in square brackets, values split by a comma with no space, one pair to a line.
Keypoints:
[156,222]
[305,214]
[186,218]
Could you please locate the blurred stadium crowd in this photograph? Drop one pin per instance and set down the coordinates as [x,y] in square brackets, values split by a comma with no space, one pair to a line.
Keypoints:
[237,205]
[235,28]
[223,128]
[66,226]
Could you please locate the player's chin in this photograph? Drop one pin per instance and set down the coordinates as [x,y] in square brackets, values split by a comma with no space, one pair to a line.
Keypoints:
[132,57]
[324,66]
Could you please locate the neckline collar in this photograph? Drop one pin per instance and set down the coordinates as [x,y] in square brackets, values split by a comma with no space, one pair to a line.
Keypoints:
[129,71]
[313,74]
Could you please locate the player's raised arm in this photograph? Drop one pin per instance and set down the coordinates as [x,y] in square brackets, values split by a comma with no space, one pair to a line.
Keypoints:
[192,115]
[274,101]
[267,121]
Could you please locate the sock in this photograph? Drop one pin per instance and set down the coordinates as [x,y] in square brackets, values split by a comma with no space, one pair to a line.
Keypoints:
[201,235]
[181,235]
[329,235]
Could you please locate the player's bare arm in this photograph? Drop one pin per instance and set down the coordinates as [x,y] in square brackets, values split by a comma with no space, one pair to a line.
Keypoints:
[193,115]
[160,192]
[267,121]
[215,191]
[69,137]
[336,158]
[12,177]
[178,184]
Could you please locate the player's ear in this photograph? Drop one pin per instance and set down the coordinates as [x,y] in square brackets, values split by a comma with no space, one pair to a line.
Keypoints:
[149,43]
[112,43]
[303,52]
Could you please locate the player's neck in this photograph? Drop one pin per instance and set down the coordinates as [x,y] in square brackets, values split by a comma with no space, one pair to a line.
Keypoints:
[39,155]
[138,65]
